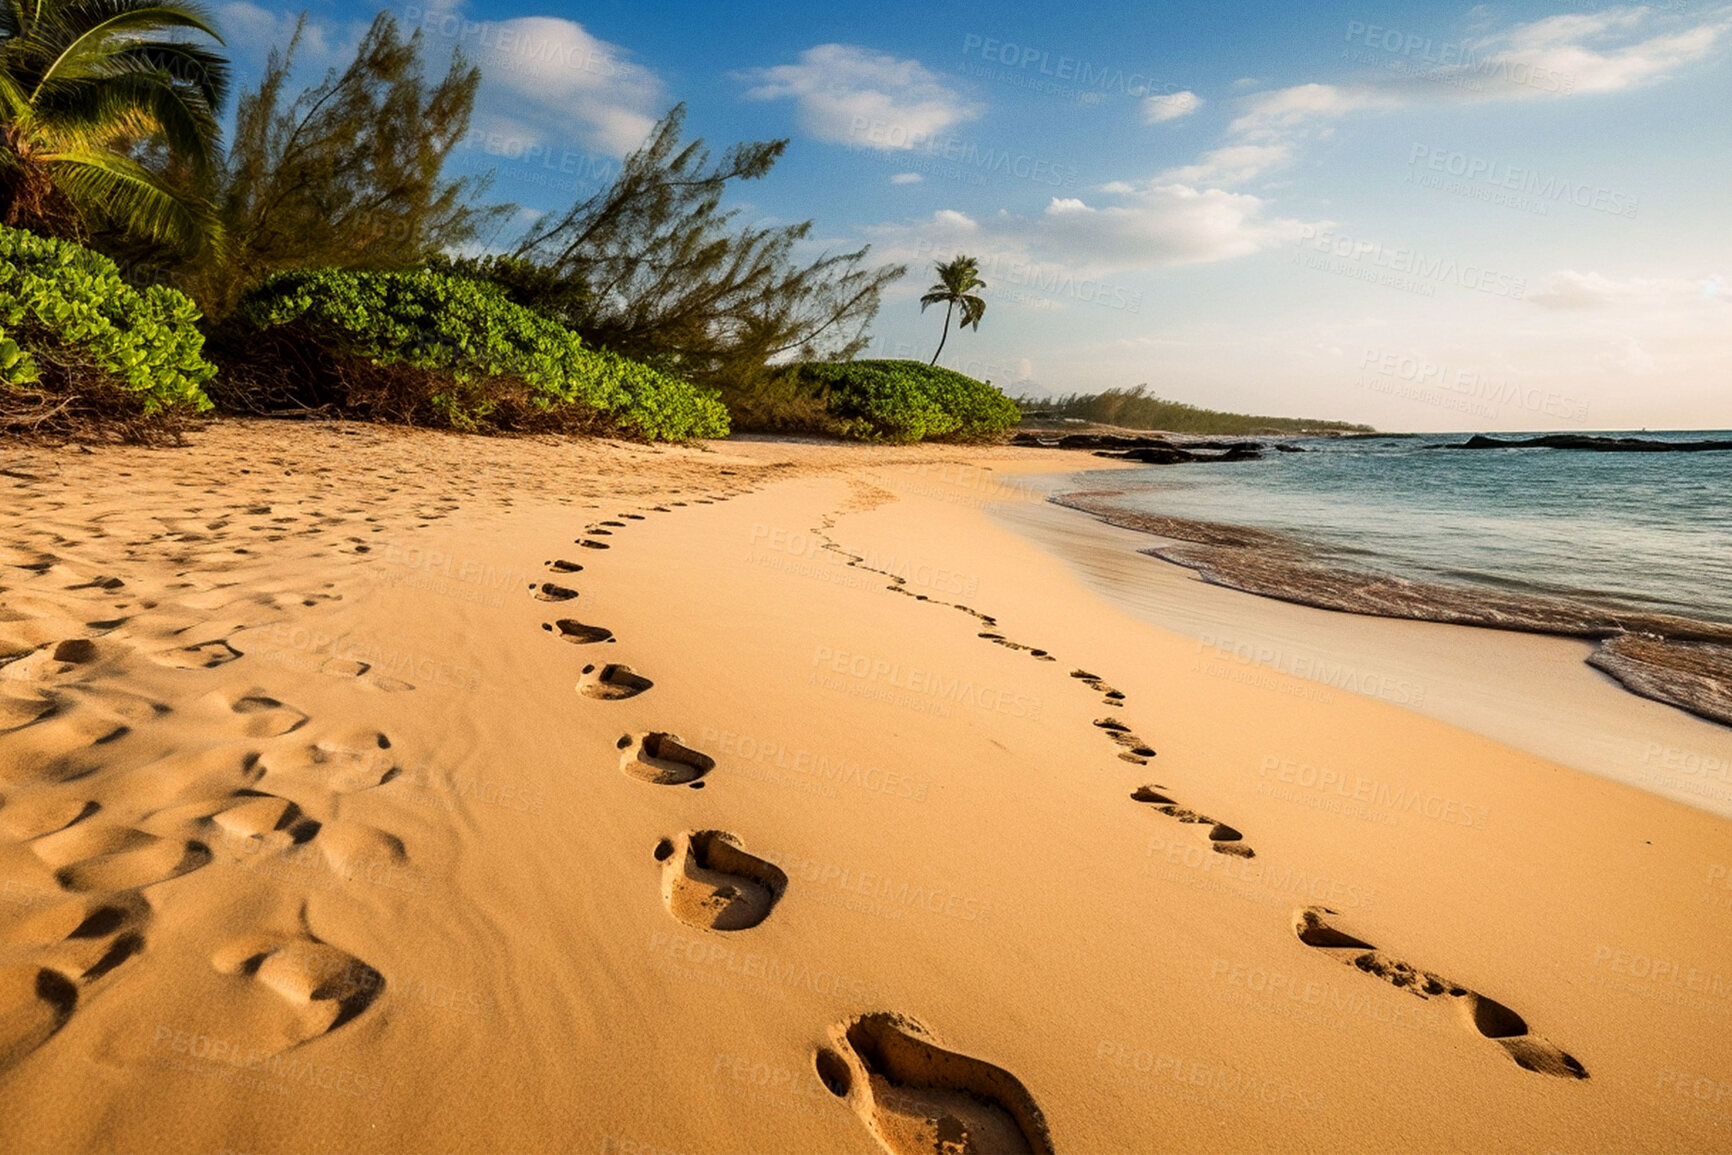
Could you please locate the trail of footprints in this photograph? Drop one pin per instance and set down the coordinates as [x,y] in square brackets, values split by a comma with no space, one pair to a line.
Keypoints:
[911,1094]
[900,1083]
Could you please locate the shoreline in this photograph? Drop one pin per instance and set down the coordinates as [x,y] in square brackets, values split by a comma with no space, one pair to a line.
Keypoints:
[1682,662]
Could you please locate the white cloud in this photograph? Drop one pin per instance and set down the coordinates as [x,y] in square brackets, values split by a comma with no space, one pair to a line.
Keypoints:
[1275,115]
[844,94]
[906,178]
[1135,228]
[1234,164]
[547,82]
[1170,106]
[1569,289]
[1558,56]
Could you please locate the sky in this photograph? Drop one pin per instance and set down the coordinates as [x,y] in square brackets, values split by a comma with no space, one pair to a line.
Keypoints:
[1414,216]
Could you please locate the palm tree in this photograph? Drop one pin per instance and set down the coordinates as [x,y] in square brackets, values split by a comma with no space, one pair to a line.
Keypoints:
[99,101]
[957,280]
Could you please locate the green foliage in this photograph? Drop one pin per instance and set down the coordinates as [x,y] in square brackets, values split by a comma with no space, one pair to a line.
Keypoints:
[1135,409]
[433,349]
[73,332]
[958,279]
[905,401]
[349,172]
[655,268]
[106,108]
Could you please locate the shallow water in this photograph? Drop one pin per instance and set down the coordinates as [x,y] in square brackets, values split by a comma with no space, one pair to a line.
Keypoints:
[1649,531]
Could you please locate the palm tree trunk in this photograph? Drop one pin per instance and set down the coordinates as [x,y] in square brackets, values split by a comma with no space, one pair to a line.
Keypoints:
[942,337]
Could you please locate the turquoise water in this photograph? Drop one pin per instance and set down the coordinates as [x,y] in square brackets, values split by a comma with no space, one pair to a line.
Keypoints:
[1649,531]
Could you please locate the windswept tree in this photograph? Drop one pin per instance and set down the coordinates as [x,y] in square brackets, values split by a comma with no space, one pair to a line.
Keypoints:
[108,118]
[655,268]
[957,281]
[349,173]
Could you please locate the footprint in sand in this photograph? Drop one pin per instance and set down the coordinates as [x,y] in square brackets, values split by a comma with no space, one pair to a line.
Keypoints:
[1493,1020]
[1135,749]
[203,656]
[87,856]
[917,1098]
[35,1002]
[323,986]
[1222,838]
[43,811]
[1093,682]
[549,592]
[86,937]
[57,746]
[257,714]
[709,881]
[576,632]
[560,565]
[346,764]
[587,544]
[611,683]
[660,758]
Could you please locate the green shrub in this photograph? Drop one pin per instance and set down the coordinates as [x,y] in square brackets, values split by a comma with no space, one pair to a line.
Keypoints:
[905,401]
[427,348]
[78,344]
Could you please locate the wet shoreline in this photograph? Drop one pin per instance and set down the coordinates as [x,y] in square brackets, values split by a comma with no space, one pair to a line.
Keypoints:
[1681,661]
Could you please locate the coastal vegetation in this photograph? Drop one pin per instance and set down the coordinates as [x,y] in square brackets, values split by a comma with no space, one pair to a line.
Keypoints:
[79,347]
[336,269]
[1136,408]
[901,401]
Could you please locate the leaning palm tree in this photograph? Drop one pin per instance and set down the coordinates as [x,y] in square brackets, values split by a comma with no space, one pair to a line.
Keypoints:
[957,280]
[100,100]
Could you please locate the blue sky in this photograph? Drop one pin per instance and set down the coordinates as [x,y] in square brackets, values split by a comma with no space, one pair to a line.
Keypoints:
[1415,216]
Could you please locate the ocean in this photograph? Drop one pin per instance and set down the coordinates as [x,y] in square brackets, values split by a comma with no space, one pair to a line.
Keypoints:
[1618,532]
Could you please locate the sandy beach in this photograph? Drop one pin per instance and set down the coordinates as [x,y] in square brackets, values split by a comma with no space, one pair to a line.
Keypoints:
[386,790]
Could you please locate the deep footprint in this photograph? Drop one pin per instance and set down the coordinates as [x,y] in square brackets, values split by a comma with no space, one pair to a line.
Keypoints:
[1223,839]
[577,633]
[660,759]
[709,881]
[1489,1017]
[917,1098]
[549,592]
[611,683]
